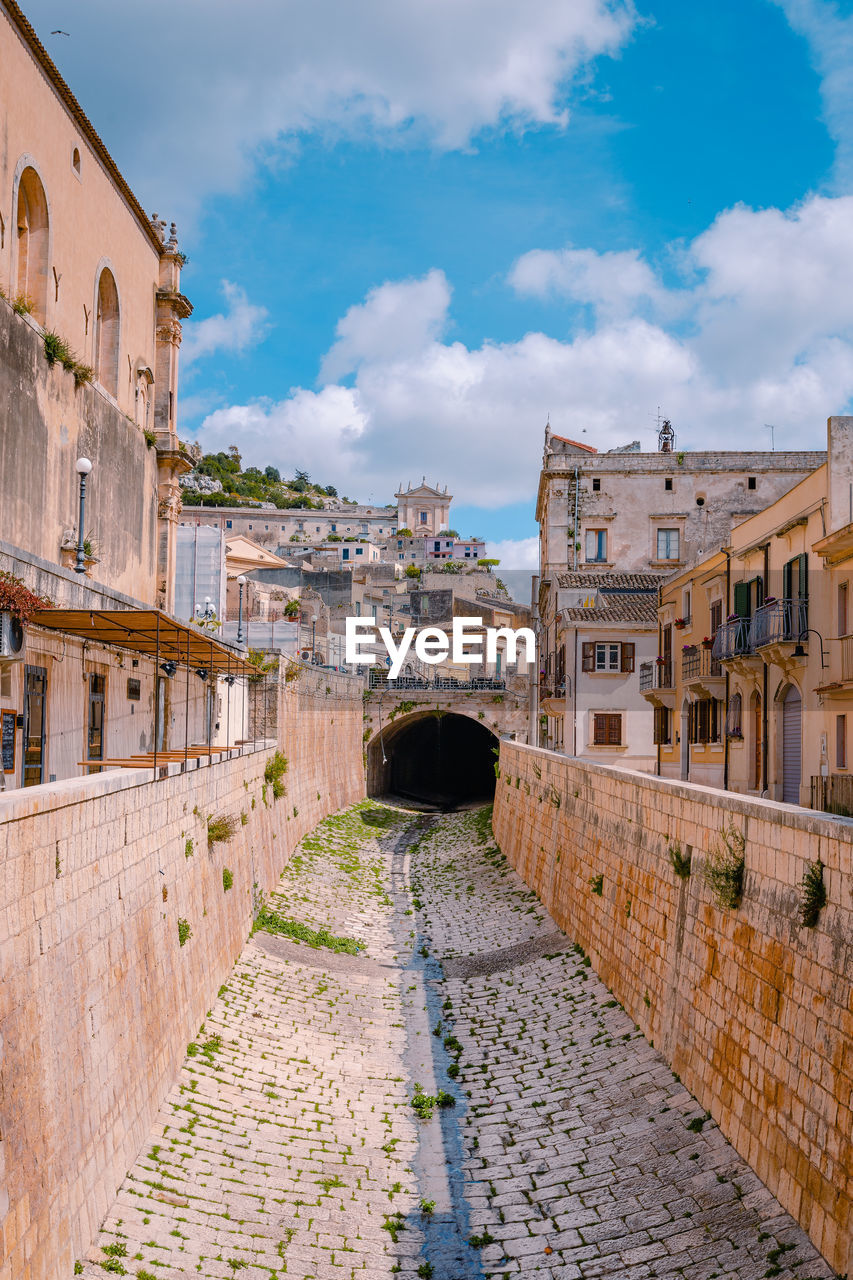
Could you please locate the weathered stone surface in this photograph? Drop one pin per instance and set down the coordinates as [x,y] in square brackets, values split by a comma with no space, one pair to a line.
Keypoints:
[753,1011]
[288,1144]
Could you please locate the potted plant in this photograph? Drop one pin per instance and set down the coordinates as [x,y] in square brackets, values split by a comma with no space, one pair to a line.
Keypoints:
[17,599]
[680,624]
[707,642]
[661,662]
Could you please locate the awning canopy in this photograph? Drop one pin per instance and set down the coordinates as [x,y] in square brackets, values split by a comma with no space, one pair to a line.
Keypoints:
[150,632]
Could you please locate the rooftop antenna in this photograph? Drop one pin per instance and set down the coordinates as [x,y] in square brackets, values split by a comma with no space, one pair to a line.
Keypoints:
[771,428]
[657,418]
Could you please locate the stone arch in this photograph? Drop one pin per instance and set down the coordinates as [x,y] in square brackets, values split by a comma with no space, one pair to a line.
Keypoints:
[441,758]
[32,235]
[107,329]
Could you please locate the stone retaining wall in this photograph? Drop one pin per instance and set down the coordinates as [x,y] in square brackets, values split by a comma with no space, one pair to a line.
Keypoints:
[753,1011]
[98,998]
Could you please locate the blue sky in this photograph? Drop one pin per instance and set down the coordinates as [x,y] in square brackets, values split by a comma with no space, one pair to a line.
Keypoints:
[416,230]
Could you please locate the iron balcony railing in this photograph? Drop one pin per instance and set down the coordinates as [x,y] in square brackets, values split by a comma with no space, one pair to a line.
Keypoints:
[847,657]
[698,663]
[779,620]
[379,680]
[732,639]
[656,675]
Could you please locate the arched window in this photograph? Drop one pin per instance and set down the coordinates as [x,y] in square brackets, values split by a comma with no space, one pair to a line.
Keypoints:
[31,276]
[107,333]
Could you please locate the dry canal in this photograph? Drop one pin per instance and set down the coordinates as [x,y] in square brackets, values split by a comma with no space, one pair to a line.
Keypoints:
[566,1147]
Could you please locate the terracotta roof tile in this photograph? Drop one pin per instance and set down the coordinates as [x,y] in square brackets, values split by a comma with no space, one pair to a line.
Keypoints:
[587,448]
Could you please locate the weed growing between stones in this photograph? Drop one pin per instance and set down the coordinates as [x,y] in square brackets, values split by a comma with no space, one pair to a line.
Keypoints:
[227,879]
[274,771]
[725,867]
[597,884]
[184,932]
[270,921]
[680,861]
[221,829]
[812,894]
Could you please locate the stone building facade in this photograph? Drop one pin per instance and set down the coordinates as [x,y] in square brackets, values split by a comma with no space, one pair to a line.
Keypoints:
[626,511]
[90,328]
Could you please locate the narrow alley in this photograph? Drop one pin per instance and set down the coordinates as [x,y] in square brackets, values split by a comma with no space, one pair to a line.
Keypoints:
[412,1072]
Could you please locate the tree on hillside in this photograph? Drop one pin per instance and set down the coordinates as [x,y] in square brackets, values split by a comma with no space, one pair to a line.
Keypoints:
[272,475]
[300,481]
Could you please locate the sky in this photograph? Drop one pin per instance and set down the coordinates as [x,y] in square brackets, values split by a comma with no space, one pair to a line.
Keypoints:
[417,231]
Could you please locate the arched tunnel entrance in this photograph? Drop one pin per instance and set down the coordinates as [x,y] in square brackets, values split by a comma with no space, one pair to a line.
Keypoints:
[439,759]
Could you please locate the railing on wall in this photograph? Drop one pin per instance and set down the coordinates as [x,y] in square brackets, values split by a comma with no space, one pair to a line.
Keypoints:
[732,639]
[379,680]
[833,794]
[847,657]
[698,662]
[779,620]
[656,675]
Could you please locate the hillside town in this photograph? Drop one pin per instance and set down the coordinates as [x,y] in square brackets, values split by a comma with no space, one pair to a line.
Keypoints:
[537,962]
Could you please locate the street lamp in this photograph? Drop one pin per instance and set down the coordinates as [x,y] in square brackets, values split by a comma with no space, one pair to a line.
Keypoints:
[84,466]
[206,614]
[241,582]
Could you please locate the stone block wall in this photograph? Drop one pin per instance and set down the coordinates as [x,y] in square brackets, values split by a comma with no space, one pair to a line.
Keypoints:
[98,998]
[753,1010]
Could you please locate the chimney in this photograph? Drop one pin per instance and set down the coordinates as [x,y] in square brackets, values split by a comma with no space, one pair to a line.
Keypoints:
[840,468]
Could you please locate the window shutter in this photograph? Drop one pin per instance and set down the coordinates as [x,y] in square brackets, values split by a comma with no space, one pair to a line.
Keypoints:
[614,731]
[627,657]
[741,599]
[588,656]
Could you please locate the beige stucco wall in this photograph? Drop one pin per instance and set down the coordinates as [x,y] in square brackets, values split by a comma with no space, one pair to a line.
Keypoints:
[98,999]
[633,501]
[752,1010]
[91,224]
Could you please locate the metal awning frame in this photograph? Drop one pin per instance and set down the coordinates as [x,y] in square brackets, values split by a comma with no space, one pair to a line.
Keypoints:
[149,632]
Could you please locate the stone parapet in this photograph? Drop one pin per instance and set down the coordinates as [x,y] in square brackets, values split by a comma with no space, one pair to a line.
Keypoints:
[99,996]
[752,1009]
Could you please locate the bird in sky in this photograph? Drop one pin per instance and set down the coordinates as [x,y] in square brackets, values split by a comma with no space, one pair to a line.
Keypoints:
[57,32]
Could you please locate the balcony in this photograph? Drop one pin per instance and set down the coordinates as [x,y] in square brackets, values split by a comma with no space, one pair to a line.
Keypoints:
[656,683]
[779,622]
[702,673]
[732,641]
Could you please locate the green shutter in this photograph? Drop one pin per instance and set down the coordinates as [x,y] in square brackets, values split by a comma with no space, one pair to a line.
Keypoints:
[741,598]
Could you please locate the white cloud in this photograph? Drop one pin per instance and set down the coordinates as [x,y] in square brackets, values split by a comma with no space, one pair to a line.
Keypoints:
[315,431]
[242,325]
[764,333]
[229,82]
[830,40]
[515,553]
[613,283]
[395,320]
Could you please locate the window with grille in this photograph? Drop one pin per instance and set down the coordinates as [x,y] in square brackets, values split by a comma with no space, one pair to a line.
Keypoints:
[841,742]
[606,729]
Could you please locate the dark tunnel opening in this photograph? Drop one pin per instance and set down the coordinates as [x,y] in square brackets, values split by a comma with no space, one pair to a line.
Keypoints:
[441,760]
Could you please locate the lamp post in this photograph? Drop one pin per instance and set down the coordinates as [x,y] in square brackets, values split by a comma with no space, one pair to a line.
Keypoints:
[84,466]
[241,582]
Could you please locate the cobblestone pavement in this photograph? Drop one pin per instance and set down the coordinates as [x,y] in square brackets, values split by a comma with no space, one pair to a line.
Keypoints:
[567,1148]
